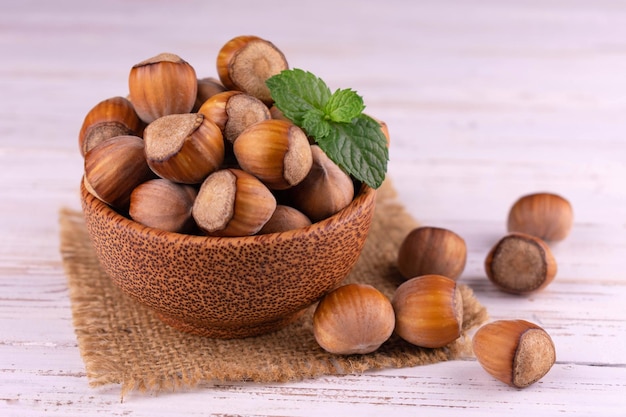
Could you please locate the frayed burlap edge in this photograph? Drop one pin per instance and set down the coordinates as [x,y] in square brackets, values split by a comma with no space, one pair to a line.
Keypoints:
[122,342]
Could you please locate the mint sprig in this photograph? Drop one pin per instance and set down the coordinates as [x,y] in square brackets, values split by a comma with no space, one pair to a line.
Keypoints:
[336,122]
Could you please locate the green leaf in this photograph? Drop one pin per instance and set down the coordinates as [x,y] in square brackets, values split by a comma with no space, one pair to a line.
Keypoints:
[297,92]
[344,105]
[314,123]
[360,148]
[351,139]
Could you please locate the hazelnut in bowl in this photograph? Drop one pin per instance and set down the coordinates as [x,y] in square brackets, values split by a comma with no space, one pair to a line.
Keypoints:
[228,287]
[241,172]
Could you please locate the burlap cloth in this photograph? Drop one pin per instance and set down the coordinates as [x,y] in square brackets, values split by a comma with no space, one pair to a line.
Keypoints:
[122,342]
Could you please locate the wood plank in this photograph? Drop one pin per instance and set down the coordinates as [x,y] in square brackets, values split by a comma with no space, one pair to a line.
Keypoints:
[441,389]
[485,100]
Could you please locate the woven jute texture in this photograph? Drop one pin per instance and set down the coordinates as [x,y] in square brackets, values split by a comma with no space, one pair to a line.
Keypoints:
[122,342]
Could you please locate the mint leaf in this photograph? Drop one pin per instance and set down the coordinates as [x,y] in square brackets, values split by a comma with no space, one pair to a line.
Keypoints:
[360,148]
[344,105]
[351,139]
[314,123]
[297,92]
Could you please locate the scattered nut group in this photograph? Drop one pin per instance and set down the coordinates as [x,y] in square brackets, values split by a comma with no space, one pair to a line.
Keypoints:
[227,162]
[522,261]
[428,307]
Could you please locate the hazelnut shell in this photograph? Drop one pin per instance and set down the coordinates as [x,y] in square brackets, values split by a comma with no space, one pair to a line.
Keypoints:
[547,216]
[516,352]
[429,311]
[353,319]
[432,250]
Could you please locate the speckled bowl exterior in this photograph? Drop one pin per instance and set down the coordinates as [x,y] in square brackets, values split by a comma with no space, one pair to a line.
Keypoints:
[228,287]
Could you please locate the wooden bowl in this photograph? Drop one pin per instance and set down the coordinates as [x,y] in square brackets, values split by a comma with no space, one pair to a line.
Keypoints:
[228,287]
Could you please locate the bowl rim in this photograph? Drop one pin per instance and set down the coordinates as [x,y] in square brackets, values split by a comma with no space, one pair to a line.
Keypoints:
[364,193]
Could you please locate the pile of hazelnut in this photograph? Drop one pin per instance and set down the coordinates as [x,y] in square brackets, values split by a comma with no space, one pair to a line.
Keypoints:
[427,308]
[209,156]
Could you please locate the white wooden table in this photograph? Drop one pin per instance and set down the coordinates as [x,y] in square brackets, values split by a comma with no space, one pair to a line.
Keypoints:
[486,100]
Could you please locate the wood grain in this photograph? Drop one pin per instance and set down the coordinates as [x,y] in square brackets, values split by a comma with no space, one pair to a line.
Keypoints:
[485,100]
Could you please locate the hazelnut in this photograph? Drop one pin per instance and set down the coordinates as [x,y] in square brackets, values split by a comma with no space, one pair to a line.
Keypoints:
[545,215]
[432,250]
[429,311]
[214,108]
[111,117]
[326,190]
[275,151]
[90,189]
[285,218]
[516,352]
[353,319]
[277,114]
[207,88]
[520,264]
[163,204]
[162,85]
[232,202]
[184,148]
[114,168]
[233,111]
[244,63]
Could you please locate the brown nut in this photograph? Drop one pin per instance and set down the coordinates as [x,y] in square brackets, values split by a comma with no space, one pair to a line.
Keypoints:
[277,114]
[232,202]
[285,218]
[111,117]
[275,151]
[353,319]
[90,189]
[233,111]
[207,88]
[432,250]
[516,352]
[163,204]
[244,63]
[184,148]
[326,190]
[214,108]
[162,85]
[545,215]
[429,311]
[520,264]
[114,168]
